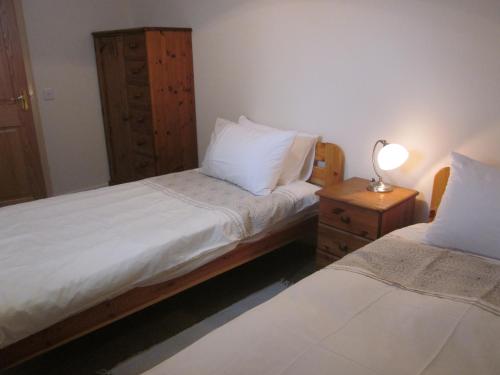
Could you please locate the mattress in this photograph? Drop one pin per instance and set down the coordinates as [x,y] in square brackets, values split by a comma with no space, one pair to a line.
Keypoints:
[62,255]
[342,322]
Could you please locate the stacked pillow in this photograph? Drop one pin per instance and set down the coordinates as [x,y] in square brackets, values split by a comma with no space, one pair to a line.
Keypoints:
[468,217]
[257,157]
[299,161]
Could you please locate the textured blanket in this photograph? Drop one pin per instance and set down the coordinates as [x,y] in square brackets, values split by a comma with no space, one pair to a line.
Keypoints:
[428,270]
[395,307]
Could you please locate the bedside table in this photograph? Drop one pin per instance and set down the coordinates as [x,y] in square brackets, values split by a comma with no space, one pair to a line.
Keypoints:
[351,217]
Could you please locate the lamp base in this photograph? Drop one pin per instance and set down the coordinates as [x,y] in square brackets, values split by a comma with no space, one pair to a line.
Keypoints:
[379,187]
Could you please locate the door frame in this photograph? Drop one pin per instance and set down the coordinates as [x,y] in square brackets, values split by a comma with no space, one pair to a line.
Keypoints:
[35,109]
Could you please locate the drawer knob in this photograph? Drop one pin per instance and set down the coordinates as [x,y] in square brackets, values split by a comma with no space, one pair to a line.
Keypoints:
[345,219]
[337,211]
[343,247]
[132,45]
[138,70]
[140,120]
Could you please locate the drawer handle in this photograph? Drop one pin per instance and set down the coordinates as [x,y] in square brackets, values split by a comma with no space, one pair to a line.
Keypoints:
[142,165]
[345,219]
[140,120]
[138,95]
[337,211]
[125,118]
[343,247]
[141,143]
[132,45]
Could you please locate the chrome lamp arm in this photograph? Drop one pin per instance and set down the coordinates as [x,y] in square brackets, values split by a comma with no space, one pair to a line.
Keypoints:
[378,186]
[384,143]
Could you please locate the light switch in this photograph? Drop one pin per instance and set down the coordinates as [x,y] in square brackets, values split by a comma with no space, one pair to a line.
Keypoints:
[48,94]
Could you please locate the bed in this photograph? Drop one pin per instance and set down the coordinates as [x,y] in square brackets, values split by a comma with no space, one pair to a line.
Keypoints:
[74,263]
[395,306]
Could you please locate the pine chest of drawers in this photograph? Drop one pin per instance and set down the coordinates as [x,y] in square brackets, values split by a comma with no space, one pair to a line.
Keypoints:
[147,96]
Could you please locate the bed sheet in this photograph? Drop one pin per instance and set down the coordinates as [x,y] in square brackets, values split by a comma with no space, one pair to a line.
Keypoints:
[61,255]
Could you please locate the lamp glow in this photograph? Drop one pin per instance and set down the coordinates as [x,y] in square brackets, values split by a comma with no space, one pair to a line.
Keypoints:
[390,157]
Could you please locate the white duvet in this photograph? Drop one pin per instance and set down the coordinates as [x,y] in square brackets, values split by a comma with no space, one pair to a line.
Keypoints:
[337,322]
[61,255]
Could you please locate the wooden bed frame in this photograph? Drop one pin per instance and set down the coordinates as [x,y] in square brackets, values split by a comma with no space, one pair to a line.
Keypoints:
[438,188]
[328,169]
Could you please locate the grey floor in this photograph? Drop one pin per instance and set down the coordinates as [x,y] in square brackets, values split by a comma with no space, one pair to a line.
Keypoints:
[144,339]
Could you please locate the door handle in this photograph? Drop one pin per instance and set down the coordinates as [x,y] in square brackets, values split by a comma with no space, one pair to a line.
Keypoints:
[23,100]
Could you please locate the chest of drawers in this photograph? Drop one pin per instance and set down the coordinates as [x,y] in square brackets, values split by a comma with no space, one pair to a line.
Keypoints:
[147,95]
[351,217]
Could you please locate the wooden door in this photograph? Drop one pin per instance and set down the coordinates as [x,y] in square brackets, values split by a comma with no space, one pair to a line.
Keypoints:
[111,71]
[21,176]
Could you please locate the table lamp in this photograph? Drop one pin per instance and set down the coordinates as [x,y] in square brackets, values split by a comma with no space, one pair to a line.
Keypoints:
[390,156]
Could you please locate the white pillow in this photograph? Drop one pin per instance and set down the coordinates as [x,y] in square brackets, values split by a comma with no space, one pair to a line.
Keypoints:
[299,161]
[469,215]
[250,158]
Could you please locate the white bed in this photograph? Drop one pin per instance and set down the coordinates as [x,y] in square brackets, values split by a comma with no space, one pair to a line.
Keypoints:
[341,320]
[61,255]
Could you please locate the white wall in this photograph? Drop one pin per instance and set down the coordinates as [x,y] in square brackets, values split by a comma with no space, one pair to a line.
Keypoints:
[62,58]
[423,73]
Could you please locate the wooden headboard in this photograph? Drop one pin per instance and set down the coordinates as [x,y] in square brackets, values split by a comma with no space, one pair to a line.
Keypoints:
[328,165]
[440,182]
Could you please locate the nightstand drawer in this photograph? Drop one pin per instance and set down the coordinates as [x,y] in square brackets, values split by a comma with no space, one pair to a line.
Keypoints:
[357,220]
[338,243]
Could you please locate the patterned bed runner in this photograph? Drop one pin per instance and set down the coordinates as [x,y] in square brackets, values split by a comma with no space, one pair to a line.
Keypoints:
[428,270]
[250,213]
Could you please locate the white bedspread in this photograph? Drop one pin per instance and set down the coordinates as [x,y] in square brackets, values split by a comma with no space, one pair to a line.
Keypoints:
[61,255]
[339,322]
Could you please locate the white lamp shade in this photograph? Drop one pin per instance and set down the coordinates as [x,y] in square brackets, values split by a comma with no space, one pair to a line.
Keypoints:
[392,156]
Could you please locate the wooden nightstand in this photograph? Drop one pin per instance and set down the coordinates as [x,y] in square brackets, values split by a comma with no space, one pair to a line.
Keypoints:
[351,217]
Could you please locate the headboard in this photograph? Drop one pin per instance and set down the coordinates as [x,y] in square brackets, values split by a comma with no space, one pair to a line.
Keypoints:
[440,182]
[328,165]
